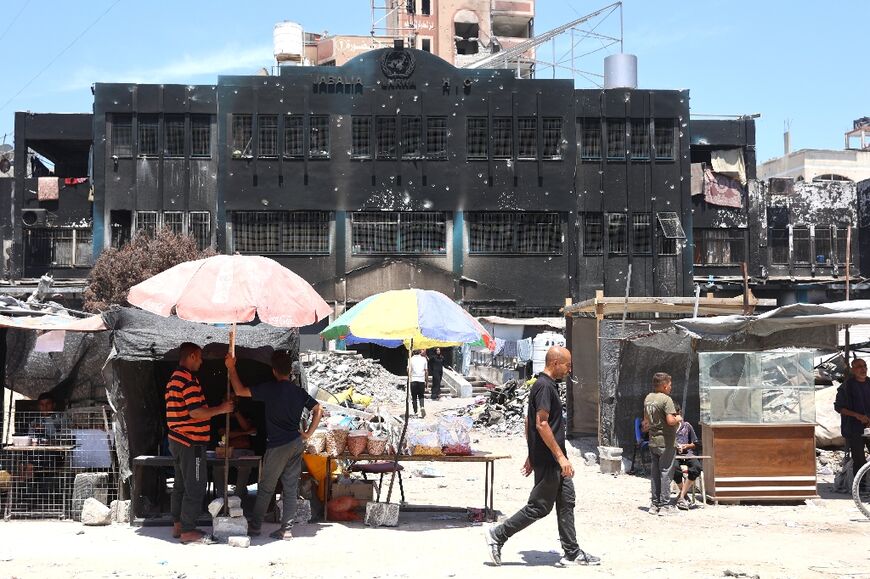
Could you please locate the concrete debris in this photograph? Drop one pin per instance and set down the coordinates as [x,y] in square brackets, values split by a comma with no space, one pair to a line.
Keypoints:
[120,511]
[243,542]
[502,412]
[95,513]
[225,527]
[337,372]
[382,514]
[214,507]
[303,511]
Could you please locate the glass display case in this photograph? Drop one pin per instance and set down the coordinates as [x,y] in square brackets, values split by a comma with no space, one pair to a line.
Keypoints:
[771,387]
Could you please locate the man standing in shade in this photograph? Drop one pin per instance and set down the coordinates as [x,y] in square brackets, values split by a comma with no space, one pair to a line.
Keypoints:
[545,436]
[436,370]
[853,404]
[661,419]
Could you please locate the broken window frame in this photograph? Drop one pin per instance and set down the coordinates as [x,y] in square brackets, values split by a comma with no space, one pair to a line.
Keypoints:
[242,135]
[394,233]
[412,137]
[617,234]
[294,137]
[200,136]
[62,247]
[514,233]
[642,234]
[361,137]
[527,138]
[436,138]
[477,139]
[267,136]
[148,135]
[551,141]
[615,140]
[593,233]
[173,136]
[590,138]
[318,137]
[502,138]
[671,229]
[727,246]
[665,139]
[279,232]
[639,140]
[122,135]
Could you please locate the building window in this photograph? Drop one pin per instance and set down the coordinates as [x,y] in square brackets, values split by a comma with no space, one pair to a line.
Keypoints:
[147,222]
[281,232]
[200,228]
[593,234]
[617,234]
[267,136]
[664,143]
[58,247]
[641,234]
[477,138]
[527,138]
[148,128]
[174,221]
[671,231]
[526,233]
[778,243]
[590,139]
[391,232]
[552,139]
[200,136]
[719,246]
[294,147]
[385,134]
[436,138]
[122,136]
[361,138]
[242,135]
[801,245]
[410,6]
[426,45]
[615,139]
[174,135]
[318,147]
[502,138]
[425,7]
[412,137]
[823,248]
[842,233]
[639,140]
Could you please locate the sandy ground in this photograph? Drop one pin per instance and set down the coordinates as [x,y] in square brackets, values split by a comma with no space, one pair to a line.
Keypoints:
[826,538]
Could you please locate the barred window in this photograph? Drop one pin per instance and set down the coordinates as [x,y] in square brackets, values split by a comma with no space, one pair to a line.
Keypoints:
[361,138]
[122,135]
[527,138]
[778,243]
[436,138]
[243,135]
[388,232]
[664,142]
[294,147]
[615,139]
[148,135]
[318,147]
[719,246]
[200,228]
[385,134]
[174,221]
[617,234]
[552,139]
[823,238]
[540,233]
[200,136]
[412,137]
[842,233]
[477,138]
[801,245]
[281,232]
[639,140]
[502,139]
[671,230]
[593,234]
[147,222]
[58,247]
[590,138]
[515,233]
[641,234]
[174,135]
[267,136]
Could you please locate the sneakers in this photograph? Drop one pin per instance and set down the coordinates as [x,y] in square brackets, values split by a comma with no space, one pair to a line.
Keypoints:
[653,509]
[666,511]
[422,412]
[494,545]
[683,505]
[582,558]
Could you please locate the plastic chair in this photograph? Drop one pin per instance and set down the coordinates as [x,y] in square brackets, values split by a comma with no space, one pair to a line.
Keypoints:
[641,441]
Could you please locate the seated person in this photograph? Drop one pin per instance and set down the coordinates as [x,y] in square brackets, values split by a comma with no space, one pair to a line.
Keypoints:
[50,426]
[687,469]
[241,441]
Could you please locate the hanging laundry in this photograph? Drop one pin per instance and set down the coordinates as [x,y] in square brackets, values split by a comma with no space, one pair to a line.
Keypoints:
[729,162]
[510,349]
[47,189]
[722,190]
[524,350]
[697,183]
[75,180]
[499,346]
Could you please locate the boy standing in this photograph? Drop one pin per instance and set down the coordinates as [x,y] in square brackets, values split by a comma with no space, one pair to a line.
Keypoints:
[661,420]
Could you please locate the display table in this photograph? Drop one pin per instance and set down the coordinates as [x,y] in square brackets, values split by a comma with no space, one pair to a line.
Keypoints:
[486,458]
[759,462]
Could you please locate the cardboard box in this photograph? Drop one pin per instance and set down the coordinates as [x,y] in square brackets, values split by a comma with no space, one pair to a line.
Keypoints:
[363,490]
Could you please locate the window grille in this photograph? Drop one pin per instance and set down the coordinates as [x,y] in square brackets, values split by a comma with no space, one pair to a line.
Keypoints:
[778,243]
[593,234]
[281,232]
[149,130]
[639,140]
[200,136]
[552,139]
[801,245]
[319,144]
[243,135]
[147,222]
[200,228]
[842,232]
[174,221]
[664,142]
[617,234]
[671,226]
[361,138]
[615,139]
[515,233]
[823,240]
[58,247]
[122,135]
[527,138]
[386,232]
[477,138]
[720,246]
[174,135]
[385,134]
[590,139]
[491,232]
[539,233]
[502,139]
[641,234]
[267,139]
[436,138]
[293,142]
[412,137]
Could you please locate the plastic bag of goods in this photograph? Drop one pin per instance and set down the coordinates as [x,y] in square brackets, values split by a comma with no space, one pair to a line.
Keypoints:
[454,435]
[317,442]
[357,441]
[377,444]
[422,440]
[336,439]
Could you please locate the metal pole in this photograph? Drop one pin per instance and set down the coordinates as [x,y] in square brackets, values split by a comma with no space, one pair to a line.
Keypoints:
[625,305]
[848,286]
[227,451]
[745,289]
[697,299]
[398,448]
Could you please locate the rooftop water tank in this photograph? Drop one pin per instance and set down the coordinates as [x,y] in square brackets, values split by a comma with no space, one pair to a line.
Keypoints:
[288,40]
[540,344]
[620,71]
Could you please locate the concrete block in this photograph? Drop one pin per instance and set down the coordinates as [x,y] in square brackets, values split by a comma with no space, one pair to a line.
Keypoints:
[236,512]
[88,485]
[382,514]
[215,507]
[234,502]
[456,383]
[610,465]
[95,513]
[120,511]
[303,511]
[243,542]
[225,527]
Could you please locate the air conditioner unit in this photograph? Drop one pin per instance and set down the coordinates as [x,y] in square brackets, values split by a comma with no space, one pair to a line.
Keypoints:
[33,217]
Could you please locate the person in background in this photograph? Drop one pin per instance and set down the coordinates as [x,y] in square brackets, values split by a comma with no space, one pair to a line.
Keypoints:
[661,420]
[241,436]
[436,369]
[853,404]
[50,425]
[687,469]
[419,369]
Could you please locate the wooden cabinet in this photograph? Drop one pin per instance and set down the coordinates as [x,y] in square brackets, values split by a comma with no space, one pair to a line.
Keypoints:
[759,462]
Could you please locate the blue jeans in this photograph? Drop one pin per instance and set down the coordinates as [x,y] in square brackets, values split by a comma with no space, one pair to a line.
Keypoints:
[284,462]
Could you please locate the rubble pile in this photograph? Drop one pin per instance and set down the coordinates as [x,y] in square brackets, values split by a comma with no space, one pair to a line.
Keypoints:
[338,372]
[502,412]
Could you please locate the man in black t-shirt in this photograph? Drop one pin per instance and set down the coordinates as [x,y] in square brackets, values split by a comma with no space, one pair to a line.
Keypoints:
[545,436]
[284,402]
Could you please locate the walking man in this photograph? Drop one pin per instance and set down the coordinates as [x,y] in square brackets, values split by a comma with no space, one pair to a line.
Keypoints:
[419,374]
[187,419]
[661,420]
[284,401]
[436,369]
[545,436]
[853,404]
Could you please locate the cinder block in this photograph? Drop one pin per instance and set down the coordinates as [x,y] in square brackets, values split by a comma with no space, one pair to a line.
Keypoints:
[382,514]
[225,527]
[236,512]
[610,465]
[243,542]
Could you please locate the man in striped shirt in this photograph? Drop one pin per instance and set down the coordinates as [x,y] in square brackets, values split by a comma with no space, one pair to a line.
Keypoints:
[187,419]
